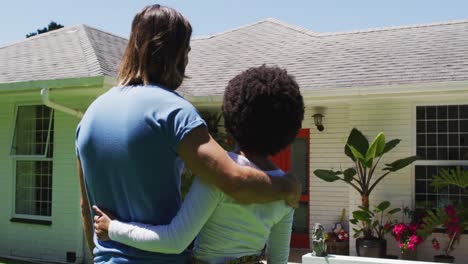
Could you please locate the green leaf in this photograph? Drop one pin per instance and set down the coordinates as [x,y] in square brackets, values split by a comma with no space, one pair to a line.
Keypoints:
[358,141]
[390,145]
[362,216]
[327,175]
[456,177]
[400,164]
[353,221]
[383,206]
[394,210]
[356,154]
[376,148]
[349,174]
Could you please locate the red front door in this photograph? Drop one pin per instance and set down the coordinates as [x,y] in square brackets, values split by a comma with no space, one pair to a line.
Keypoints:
[295,158]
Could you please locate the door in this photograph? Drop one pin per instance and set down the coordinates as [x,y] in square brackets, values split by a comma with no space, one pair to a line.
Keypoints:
[295,158]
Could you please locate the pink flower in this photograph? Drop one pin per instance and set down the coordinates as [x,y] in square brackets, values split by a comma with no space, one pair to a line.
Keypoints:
[398,229]
[415,240]
[450,210]
[411,246]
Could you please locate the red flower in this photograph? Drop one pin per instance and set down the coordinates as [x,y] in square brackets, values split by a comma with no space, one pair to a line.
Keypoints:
[450,210]
[435,244]
[387,226]
[413,228]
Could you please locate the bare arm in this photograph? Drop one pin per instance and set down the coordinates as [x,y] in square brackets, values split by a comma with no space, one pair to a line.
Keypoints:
[203,155]
[85,210]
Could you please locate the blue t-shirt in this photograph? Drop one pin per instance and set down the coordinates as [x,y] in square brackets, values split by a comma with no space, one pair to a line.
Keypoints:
[127,142]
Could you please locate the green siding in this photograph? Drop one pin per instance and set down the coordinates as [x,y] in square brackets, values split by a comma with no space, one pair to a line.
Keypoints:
[65,234]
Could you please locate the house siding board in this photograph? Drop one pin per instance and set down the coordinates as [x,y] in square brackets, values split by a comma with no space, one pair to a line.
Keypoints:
[326,151]
[49,243]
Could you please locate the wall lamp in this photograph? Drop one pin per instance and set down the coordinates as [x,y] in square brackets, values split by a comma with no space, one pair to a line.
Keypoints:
[318,119]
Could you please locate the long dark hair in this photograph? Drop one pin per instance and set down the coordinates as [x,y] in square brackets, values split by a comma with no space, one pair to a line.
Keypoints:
[155,53]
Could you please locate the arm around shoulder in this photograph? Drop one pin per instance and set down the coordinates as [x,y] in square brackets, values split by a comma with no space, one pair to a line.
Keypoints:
[208,160]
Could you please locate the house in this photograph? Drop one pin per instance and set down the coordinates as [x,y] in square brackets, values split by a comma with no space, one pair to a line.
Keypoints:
[410,82]
[40,199]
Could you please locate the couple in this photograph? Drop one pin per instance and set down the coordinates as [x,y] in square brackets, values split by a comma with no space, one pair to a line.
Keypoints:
[134,140]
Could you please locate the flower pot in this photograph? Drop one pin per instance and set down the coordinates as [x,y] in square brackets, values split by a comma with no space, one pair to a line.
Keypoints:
[409,255]
[374,248]
[444,259]
[338,247]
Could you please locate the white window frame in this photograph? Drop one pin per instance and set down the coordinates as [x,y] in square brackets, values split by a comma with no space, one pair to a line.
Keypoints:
[16,158]
[414,146]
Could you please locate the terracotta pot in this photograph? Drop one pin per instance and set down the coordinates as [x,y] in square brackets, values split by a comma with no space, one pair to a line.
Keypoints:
[373,248]
[444,259]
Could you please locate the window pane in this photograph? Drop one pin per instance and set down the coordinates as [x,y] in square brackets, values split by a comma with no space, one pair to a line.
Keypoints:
[33,187]
[299,162]
[453,112]
[431,112]
[442,112]
[420,113]
[31,130]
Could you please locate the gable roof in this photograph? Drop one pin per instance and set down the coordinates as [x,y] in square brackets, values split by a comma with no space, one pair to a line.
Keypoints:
[71,52]
[389,56]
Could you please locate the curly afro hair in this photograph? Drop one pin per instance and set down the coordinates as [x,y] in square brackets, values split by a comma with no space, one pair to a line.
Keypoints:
[263,109]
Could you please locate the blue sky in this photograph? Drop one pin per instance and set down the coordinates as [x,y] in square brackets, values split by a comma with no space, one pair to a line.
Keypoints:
[19,17]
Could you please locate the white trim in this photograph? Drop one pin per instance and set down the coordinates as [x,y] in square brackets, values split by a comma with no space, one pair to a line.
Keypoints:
[55,106]
[15,158]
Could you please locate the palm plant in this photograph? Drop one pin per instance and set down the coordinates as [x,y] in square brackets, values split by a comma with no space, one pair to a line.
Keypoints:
[436,217]
[366,157]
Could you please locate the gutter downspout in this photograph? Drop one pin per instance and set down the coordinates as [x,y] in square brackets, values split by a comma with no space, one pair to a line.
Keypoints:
[53,105]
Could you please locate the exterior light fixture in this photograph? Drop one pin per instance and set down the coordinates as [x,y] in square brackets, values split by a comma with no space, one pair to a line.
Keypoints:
[318,121]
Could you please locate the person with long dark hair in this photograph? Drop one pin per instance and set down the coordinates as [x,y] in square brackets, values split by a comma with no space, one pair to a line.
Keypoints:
[134,140]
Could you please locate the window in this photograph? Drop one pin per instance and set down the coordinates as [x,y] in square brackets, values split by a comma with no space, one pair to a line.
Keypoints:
[32,152]
[441,143]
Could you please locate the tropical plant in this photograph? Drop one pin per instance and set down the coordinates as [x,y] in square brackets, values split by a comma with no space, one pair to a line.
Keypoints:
[366,158]
[453,219]
[406,231]
[373,223]
[456,177]
[449,220]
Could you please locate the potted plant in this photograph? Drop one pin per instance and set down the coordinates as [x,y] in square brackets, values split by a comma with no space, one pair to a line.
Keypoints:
[338,239]
[453,219]
[364,176]
[406,234]
[372,225]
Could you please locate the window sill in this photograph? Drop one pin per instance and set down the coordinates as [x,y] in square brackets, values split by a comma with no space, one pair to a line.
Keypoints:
[31,221]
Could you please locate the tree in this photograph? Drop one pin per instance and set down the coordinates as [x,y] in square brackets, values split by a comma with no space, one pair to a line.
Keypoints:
[52,26]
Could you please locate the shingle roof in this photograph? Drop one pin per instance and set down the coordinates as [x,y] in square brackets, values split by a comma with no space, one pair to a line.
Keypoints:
[415,54]
[401,55]
[72,52]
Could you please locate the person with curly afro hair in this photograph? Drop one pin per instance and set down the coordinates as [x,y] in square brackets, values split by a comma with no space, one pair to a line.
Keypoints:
[263,110]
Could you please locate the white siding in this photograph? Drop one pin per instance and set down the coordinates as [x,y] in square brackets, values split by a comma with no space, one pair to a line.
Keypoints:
[394,117]
[65,234]
[326,152]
